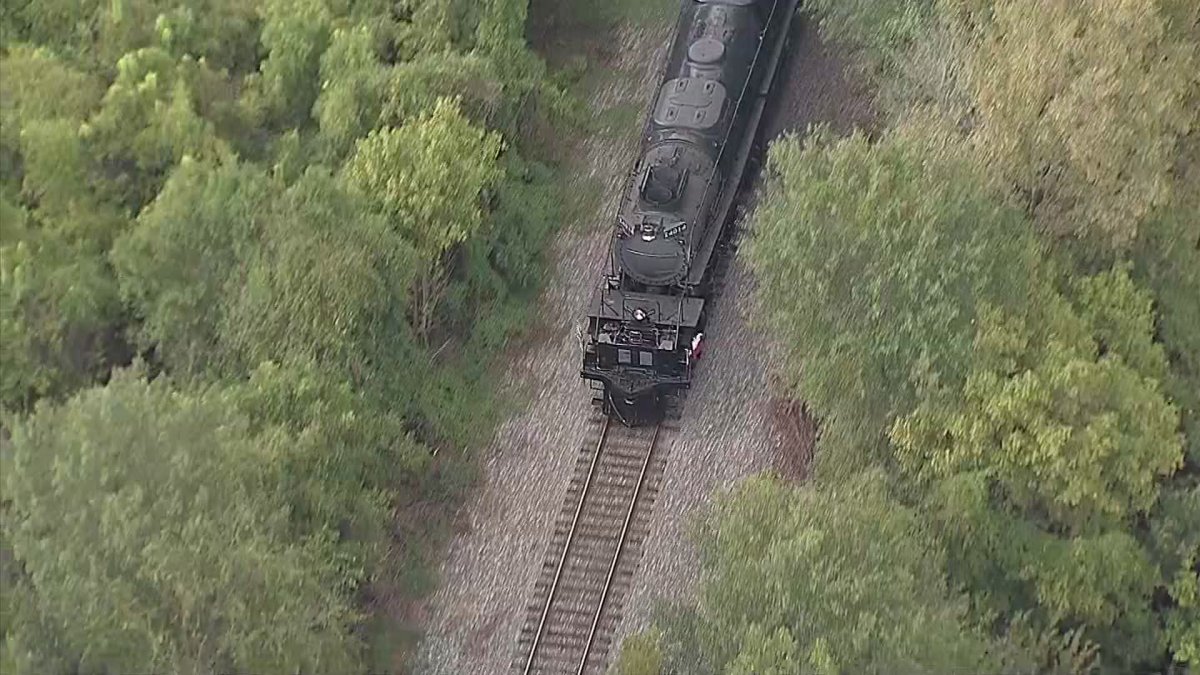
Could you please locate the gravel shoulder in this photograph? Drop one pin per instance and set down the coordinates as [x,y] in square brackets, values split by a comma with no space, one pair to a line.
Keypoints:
[730,427]
[728,430]
[490,569]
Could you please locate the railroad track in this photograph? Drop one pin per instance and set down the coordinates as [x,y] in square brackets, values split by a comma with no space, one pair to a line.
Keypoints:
[594,552]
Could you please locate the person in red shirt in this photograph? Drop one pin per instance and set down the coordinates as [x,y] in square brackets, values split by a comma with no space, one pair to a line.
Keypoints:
[697,347]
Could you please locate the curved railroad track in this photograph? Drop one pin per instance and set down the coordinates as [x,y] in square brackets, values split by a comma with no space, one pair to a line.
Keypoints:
[594,552]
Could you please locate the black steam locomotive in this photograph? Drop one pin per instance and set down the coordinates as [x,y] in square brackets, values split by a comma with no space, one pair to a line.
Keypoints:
[645,328]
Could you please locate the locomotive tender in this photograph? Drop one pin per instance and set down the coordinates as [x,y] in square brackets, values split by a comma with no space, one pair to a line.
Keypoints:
[645,326]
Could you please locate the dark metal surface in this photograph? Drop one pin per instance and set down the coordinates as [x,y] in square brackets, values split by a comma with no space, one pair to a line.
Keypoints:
[618,305]
[649,314]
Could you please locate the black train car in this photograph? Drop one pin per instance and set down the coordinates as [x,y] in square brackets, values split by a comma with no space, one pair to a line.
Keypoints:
[646,321]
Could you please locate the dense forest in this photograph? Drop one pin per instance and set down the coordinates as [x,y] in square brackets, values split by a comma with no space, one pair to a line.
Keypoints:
[255,258]
[992,305]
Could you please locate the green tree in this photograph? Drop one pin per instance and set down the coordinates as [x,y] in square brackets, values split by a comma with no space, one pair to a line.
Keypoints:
[95,33]
[187,257]
[153,540]
[327,282]
[1120,316]
[1058,442]
[1080,106]
[869,277]
[415,87]
[501,28]
[1019,571]
[1041,461]
[43,101]
[1083,439]
[54,165]
[307,278]
[1167,261]
[37,85]
[174,174]
[295,35]
[57,176]
[427,177]
[832,580]
[149,122]
[352,92]
[1074,108]
[348,453]
[437,25]
[298,275]
[56,300]
[1176,543]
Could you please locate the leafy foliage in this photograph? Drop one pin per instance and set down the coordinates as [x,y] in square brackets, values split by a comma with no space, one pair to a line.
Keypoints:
[1048,455]
[349,450]
[1074,110]
[1081,438]
[174,183]
[1080,107]
[147,527]
[407,172]
[351,99]
[96,34]
[149,121]
[825,581]
[328,283]
[427,177]
[1035,391]
[187,252]
[37,85]
[308,276]
[56,299]
[1167,261]
[295,35]
[1176,540]
[869,277]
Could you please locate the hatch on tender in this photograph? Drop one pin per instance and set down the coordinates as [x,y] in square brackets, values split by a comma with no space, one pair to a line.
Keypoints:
[690,103]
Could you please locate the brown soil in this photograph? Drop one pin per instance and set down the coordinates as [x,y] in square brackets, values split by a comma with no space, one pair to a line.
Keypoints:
[819,86]
[798,430]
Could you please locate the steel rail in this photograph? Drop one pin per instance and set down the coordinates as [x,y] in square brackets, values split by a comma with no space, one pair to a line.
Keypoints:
[537,637]
[612,570]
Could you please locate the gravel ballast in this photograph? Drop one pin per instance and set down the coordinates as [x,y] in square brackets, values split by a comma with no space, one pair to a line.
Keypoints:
[726,433]
[488,576]
[729,429]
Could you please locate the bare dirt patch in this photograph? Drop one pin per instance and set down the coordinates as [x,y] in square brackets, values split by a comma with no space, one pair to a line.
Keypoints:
[798,430]
[819,85]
